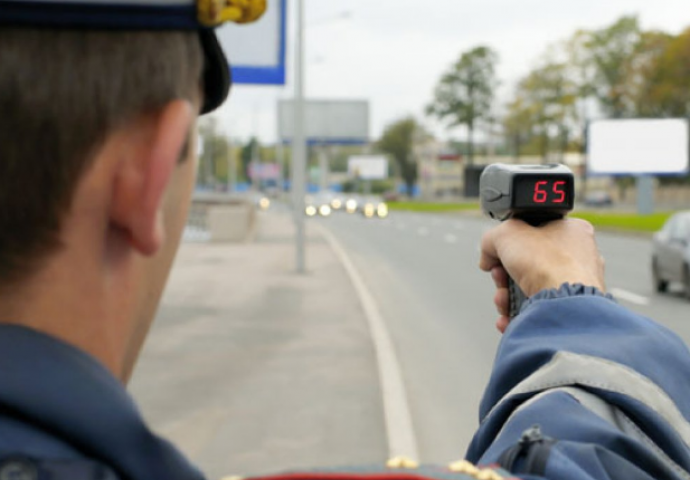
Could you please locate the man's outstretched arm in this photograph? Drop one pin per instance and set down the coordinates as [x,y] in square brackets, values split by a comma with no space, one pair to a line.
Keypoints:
[608,389]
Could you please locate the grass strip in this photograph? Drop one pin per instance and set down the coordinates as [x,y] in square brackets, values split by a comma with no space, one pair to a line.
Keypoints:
[631,222]
[625,221]
[429,207]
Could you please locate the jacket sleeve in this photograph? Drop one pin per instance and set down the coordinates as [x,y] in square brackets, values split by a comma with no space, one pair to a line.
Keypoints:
[583,388]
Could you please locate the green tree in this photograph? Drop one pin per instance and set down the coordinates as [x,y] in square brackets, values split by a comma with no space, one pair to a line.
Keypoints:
[213,163]
[398,141]
[250,151]
[546,101]
[612,51]
[517,124]
[582,73]
[464,94]
[581,69]
[663,75]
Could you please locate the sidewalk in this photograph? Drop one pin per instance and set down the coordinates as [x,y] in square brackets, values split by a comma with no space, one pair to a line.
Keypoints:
[253,368]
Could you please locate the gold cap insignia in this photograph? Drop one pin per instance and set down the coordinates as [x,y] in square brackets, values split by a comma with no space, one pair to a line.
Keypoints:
[463,466]
[212,13]
[401,462]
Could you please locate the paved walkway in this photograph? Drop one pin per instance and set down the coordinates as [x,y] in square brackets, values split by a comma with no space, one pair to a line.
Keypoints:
[253,368]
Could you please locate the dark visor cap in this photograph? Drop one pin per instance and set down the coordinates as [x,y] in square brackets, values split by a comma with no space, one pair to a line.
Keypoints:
[217,76]
[132,15]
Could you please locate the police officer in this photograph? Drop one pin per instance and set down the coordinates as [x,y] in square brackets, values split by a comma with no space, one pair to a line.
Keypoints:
[98,102]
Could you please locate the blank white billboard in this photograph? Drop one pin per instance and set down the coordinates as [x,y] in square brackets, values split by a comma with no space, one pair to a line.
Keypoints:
[256,51]
[638,146]
[328,121]
[368,167]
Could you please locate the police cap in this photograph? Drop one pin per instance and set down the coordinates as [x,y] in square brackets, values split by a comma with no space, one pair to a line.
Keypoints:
[193,15]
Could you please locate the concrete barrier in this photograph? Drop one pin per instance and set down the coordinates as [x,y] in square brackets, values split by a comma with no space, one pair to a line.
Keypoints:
[225,218]
[230,223]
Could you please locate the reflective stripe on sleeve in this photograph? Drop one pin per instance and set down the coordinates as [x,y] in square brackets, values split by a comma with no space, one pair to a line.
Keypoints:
[610,414]
[571,369]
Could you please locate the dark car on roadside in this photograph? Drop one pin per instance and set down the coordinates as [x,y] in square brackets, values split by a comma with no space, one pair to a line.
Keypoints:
[671,253]
[598,198]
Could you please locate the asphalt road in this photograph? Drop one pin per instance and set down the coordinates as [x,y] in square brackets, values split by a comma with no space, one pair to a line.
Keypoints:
[421,269]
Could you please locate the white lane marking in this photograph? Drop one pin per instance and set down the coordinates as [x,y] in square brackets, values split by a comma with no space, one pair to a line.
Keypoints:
[422,231]
[399,427]
[450,238]
[629,296]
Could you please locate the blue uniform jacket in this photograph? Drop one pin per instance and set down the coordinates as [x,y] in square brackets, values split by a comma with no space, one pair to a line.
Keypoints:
[64,416]
[584,389]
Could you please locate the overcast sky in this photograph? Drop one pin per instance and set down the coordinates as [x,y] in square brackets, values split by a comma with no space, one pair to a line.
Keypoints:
[392,52]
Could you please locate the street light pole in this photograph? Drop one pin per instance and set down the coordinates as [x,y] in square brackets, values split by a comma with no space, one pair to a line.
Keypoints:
[232,167]
[299,162]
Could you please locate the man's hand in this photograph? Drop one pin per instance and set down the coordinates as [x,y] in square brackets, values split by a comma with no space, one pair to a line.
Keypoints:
[539,258]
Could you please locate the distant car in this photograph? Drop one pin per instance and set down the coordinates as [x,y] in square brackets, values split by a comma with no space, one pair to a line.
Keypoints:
[598,198]
[671,253]
[317,205]
[391,196]
[372,207]
[262,202]
[337,202]
[351,203]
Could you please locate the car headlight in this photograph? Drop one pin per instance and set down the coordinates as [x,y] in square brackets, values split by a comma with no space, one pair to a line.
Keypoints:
[264,203]
[337,204]
[351,205]
[324,210]
[369,210]
[382,210]
[310,211]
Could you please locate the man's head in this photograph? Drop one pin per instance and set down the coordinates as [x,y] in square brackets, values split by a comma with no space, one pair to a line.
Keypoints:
[95,167]
[62,93]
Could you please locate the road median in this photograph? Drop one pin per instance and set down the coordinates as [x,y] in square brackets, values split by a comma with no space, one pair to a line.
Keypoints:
[604,220]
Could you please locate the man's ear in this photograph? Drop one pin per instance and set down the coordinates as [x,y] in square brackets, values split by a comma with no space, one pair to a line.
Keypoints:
[153,149]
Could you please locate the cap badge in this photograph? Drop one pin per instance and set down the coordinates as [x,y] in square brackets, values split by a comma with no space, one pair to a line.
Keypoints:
[212,13]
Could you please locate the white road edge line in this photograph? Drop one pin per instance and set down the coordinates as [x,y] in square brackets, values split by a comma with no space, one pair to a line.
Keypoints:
[629,296]
[399,428]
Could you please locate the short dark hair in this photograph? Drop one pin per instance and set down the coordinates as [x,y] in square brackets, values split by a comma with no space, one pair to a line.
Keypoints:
[61,93]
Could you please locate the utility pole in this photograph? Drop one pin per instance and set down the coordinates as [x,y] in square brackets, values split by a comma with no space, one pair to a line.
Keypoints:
[232,168]
[299,161]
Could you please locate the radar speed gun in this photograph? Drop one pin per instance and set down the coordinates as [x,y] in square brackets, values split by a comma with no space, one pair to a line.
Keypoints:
[535,194]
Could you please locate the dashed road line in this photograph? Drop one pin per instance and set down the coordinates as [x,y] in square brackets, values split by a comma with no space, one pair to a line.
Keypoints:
[629,296]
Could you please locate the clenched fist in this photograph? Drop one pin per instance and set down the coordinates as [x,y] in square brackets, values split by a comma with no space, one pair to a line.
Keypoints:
[538,258]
